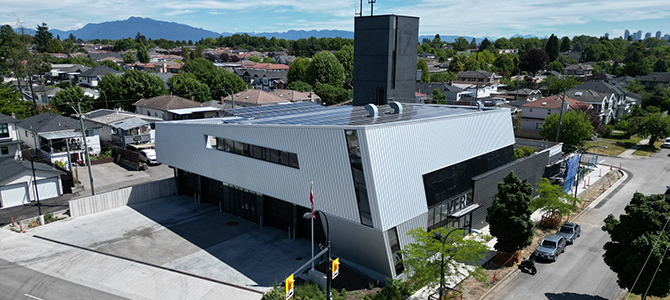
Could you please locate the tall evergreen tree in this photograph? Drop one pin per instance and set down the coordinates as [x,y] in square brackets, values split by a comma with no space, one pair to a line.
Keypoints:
[509,215]
[42,37]
[565,44]
[552,48]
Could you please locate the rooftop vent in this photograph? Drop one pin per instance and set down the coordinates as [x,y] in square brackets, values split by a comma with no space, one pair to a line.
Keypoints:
[544,103]
[372,109]
[397,107]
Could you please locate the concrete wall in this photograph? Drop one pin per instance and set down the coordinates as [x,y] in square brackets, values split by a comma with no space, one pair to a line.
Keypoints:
[122,197]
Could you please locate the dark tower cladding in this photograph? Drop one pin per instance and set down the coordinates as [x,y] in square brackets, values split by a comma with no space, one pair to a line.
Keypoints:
[385,56]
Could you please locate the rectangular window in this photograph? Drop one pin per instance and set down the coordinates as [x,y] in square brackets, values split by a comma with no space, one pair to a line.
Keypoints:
[4,130]
[253,151]
[359,177]
[4,150]
[394,243]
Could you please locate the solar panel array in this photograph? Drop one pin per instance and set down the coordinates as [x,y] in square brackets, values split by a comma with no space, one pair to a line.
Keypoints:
[310,114]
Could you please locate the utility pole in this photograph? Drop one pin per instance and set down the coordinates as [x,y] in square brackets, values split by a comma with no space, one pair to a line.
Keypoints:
[88,157]
[560,117]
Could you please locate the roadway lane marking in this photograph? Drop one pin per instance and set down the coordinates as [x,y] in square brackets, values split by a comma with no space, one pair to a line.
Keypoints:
[31,296]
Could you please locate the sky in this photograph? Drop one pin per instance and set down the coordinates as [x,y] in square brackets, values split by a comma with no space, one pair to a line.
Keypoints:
[491,18]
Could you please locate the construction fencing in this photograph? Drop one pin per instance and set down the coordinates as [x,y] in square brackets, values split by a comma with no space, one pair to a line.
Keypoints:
[122,197]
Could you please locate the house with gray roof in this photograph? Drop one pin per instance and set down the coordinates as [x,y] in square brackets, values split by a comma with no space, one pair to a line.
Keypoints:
[58,138]
[265,80]
[453,93]
[18,184]
[623,101]
[653,79]
[602,102]
[123,128]
[93,76]
[170,107]
[581,71]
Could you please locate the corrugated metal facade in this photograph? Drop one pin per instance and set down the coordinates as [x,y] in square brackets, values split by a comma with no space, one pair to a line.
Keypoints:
[398,156]
[322,155]
[361,244]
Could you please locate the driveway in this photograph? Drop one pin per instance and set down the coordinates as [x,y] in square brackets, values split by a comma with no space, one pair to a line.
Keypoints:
[175,233]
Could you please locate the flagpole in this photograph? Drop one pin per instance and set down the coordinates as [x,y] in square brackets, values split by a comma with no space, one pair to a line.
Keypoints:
[311,199]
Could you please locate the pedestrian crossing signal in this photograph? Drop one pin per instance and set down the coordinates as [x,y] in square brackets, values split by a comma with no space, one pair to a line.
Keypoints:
[289,287]
[336,267]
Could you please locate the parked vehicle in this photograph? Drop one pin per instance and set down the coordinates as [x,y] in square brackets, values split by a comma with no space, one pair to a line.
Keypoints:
[569,231]
[528,265]
[666,143]
[148,156]
[551,247]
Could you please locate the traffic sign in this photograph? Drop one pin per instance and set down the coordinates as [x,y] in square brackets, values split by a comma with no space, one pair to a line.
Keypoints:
[336,267]
[289,287]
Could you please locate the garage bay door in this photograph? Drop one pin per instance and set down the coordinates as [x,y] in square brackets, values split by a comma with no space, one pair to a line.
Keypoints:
[48,188]
[14,195]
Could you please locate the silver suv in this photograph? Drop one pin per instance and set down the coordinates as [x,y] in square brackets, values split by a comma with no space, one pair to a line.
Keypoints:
[550,247]
[570,231]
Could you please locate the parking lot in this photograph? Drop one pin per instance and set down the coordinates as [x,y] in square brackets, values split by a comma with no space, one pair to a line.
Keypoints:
[176,233]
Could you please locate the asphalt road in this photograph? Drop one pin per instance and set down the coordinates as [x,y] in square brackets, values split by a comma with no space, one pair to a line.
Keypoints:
[580,272]
[17,282]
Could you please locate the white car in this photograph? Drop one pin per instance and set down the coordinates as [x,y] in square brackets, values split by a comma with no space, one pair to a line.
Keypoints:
[148,156]
[666,143]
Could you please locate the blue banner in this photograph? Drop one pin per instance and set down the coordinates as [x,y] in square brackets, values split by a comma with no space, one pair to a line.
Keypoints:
[571,168]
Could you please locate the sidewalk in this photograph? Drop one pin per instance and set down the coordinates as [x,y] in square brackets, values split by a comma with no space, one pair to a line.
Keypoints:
[629,152]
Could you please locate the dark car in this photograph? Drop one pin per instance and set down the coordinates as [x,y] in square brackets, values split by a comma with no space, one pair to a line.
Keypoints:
[569,231]
[550,247]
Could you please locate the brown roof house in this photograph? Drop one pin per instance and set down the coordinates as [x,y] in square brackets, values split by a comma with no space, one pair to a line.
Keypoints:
[169,107]
[253,97]
[535,112]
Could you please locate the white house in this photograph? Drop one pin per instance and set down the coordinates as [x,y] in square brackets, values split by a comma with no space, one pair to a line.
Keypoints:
[93,76]
[17,184]
[602,101]
[169,107]
[122,127]
[54,136]
[9,138]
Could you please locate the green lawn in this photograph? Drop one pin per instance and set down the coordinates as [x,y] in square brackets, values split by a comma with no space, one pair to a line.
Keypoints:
[616,144]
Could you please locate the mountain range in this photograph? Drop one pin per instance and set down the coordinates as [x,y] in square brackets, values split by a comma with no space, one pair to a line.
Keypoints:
[155,29]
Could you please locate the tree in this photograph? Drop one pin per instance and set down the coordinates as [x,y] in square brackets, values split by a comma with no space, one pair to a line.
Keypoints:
[54,46]
[455,65]
[297,71]
[11,102]
[485,45]
[185,54]
[533,60]
[143,54]
[68,98]
[651,124]
[504,64]
[199,51]
[636,250]
[268,60]
[299,86]
[219,81]
[111,64]
[575,128]
[553,200]
[565,44]
[124,44]
[660,97]
[437,95]
[346,57]
[331,94]
[254,59]
[423,66]
[129,58]
[423,256]
[660,65]
[552,48]
[461,44]
[132,85]
[473,43]
[325,69]
[187,86]
[42,37]
[555,66]
[635,62]
[556,85]
[509,215]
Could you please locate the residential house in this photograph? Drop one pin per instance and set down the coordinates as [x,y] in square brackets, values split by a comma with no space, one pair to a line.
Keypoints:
[478,77]
[53,136]
[19,178]
[10,145]
[622,100]
[453,93]
[254,97]
[535,112]
[123,128]
[99,56]
[581,71]
[603,102]
[654,78]
[524,94]
[93,76]
[65,72]
[296,96]
[264,79]
[169,107]
[43,94]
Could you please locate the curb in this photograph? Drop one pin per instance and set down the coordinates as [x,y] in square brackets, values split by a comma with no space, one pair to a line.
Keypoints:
[588,208]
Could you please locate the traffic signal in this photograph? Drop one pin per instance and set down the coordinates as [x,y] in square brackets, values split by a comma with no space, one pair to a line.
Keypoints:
[336,267]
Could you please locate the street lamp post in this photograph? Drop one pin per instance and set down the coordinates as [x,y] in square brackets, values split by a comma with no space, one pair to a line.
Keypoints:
[37,196]
[329,271]
[442,259]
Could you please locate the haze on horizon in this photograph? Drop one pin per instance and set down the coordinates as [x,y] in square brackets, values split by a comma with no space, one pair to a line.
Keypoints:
[445,17]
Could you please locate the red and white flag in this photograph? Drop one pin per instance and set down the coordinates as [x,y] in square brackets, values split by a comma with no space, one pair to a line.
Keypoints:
[311,198]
